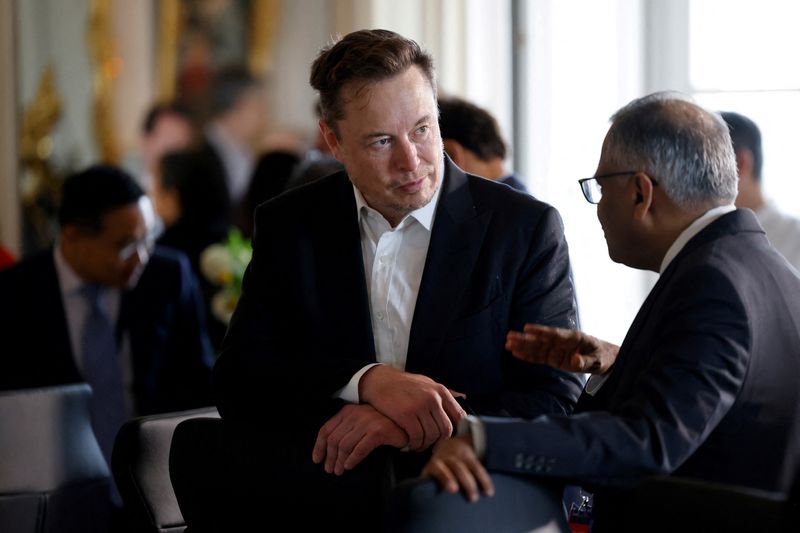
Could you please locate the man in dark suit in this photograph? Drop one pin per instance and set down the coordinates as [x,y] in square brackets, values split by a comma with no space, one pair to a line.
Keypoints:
[375,309]
[150,297]
[233,137]
[704,385]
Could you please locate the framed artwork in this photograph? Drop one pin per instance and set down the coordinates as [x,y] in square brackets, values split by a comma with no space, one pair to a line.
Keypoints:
[197,37]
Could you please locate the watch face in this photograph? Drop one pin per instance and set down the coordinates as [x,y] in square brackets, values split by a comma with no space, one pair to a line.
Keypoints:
[464,427]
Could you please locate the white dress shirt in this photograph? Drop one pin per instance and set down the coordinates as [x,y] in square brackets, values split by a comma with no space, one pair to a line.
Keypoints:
[237,160]
[394,259]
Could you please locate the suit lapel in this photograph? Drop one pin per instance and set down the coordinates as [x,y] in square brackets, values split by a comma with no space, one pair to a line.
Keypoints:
[60,360]
[342,265]
[456,240]
[734,222]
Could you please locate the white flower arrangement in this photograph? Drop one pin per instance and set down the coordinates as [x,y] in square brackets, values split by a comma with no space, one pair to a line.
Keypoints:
[224,264]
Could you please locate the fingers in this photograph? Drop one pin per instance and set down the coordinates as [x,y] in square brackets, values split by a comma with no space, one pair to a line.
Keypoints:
[333,450]
[437,422]
[455,467]
[484,479]
[445,418]
[416,433]
[351,435]
[359,452]
[437,469]
[352,449]
[453,410]
[321,444]
[429,429]
[555,347]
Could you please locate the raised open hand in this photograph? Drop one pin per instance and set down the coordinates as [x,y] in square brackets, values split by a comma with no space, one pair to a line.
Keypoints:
[565,349]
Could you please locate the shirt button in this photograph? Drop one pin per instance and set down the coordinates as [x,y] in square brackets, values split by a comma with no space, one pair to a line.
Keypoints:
[380,315]
[383,259]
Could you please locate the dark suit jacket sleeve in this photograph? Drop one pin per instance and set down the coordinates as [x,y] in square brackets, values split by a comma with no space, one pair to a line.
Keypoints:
[172,354]
[544,294]
[690,375]
[301,328]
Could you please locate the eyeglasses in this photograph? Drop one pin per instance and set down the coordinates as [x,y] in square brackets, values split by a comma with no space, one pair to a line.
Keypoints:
[145,245]
[591,188]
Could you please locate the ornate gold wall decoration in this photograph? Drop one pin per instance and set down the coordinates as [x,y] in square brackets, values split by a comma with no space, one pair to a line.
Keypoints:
[167,61]
[106,67]
[263,27]
[40,191]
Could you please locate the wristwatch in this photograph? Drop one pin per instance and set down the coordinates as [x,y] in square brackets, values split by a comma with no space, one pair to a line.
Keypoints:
[473,426]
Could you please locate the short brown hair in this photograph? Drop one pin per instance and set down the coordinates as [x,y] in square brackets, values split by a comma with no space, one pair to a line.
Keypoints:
[368,56]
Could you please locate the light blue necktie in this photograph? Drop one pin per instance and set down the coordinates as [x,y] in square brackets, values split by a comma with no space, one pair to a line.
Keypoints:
[104,374]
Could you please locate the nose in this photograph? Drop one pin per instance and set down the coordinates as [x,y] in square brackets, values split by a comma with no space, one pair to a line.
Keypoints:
[406,158]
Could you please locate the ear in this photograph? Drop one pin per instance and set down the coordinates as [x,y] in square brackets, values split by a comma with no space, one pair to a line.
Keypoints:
[455,151]
[744,163]
[330,139]
[643,190]
[70,233]
[71,243]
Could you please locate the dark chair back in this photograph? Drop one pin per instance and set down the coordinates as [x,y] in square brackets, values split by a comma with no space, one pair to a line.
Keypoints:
[199,467]
[53,478]
[140,463]
[668,503]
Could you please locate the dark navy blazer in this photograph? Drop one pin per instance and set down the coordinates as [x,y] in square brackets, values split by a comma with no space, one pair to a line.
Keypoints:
[705,385]
[162,316]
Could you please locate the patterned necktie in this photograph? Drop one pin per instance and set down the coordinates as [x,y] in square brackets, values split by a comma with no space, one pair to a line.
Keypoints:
[103,373]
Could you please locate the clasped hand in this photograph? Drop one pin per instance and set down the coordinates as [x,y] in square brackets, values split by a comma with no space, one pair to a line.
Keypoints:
[397,409]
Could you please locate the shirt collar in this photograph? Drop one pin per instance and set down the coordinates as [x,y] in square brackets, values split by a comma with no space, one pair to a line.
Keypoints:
[694,228]
[424,215]
[68,279]
[223,140]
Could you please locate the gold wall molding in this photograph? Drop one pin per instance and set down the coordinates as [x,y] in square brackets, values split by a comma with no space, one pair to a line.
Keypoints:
[40,191]
[167,61]
[264,16]
[106,65]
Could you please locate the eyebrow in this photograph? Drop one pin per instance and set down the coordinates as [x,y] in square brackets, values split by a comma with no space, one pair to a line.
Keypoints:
[423,119]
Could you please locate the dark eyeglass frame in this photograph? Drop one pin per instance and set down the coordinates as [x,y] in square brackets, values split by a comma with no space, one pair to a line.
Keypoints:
[586,183]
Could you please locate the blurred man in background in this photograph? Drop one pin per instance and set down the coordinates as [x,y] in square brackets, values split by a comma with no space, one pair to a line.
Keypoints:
[235,131]
[473,141]
[782,230]
[166,128]
[107,307]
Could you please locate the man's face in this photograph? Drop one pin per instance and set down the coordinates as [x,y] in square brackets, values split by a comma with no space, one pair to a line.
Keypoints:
[172,132]
[250,114]
[116,255]
[614,209]
[389,142]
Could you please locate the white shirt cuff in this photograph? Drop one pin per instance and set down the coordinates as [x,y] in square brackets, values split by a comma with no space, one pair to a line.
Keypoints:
[349,392]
